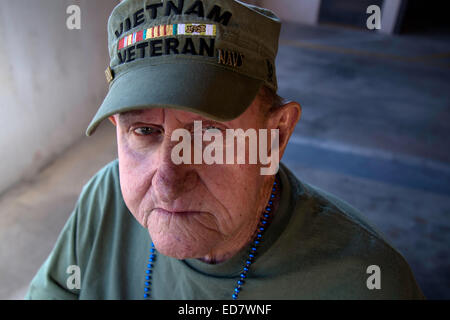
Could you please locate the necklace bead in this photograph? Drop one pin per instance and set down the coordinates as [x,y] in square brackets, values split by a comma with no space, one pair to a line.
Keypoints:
[250,259]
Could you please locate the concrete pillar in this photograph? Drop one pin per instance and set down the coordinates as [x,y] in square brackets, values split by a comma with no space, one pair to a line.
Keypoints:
[392,14]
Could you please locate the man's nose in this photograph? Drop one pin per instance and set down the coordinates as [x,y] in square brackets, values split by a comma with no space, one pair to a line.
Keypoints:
[171,180]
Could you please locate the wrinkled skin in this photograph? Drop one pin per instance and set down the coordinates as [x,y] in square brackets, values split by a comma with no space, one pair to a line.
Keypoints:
[199,211]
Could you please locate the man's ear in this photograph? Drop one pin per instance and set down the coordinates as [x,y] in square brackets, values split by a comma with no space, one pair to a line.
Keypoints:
[285,119]
[113,120]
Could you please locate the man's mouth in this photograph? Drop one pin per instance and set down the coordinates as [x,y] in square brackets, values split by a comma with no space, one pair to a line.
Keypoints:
[175,212]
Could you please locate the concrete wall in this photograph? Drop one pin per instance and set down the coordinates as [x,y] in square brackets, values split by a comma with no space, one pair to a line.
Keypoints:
[51,80]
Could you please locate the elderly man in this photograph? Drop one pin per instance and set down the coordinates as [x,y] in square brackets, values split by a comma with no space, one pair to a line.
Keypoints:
[171,218]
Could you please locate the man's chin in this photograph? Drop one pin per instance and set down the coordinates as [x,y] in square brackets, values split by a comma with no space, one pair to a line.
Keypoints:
[183,237]
[180,249]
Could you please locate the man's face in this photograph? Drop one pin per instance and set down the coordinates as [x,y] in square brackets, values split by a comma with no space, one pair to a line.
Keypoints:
[190,210]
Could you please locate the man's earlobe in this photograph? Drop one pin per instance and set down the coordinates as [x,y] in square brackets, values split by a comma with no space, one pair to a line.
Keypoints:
[112,119]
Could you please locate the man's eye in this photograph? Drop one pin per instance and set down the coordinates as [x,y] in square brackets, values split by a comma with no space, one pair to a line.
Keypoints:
[210,127]
[145,131]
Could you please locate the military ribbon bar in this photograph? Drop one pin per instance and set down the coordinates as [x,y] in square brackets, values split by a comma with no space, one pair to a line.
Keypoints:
[191,29]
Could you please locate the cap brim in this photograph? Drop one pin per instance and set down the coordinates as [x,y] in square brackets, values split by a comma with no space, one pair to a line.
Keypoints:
[207,89]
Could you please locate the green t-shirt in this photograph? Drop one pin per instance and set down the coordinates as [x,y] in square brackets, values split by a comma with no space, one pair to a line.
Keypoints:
[317,247]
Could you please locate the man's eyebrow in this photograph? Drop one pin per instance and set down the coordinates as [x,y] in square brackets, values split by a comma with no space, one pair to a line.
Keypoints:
[128,116]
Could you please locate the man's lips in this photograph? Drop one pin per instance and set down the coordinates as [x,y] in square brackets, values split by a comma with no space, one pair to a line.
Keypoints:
[175,212]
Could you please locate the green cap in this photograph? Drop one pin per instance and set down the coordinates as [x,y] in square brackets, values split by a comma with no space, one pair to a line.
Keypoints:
[203,56]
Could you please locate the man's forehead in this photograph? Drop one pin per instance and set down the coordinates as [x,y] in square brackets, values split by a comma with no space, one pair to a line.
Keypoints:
[133,113]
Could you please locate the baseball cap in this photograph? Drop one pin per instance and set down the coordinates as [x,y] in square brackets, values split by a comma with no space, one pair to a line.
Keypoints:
[203,56]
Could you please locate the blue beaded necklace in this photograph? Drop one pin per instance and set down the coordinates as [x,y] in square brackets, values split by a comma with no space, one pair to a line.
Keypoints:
[250,259]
